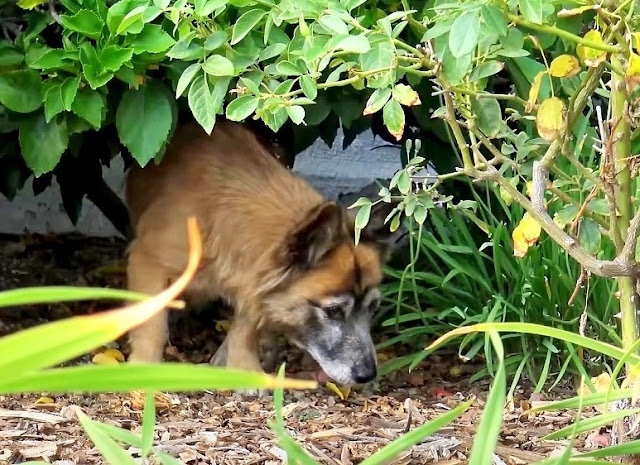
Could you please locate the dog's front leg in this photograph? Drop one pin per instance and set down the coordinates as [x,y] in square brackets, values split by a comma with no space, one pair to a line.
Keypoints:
[241,347]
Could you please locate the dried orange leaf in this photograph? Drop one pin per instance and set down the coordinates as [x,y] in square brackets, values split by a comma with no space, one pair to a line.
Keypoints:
[534,91]
[564,66]
[551,119]
[342,392]
[44,400]
[632,75]
[591,57]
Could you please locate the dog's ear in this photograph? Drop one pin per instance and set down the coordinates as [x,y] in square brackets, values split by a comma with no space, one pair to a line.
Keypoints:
[316,236]
[378,233]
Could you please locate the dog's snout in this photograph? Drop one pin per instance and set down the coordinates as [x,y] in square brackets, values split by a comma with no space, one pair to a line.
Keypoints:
[364,373]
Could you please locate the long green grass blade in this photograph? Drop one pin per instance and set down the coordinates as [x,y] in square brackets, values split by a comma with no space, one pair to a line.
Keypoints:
[177,377]
[588,424]
[52,294]
[109,449]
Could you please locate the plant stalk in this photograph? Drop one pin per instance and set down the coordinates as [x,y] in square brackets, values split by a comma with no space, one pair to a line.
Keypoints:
[621,151]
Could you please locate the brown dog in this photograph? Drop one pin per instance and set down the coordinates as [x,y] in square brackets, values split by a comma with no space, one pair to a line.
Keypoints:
[273,247]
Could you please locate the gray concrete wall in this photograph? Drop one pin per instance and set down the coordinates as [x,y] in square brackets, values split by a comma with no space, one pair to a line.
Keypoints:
[332,170]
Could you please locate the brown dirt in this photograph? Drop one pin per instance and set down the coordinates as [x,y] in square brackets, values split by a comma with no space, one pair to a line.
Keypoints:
[224,428]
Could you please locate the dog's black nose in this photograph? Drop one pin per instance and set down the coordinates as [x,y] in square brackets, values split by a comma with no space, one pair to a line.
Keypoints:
[364,373]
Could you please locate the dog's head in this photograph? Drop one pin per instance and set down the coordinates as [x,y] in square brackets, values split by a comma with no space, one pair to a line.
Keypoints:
[326,303]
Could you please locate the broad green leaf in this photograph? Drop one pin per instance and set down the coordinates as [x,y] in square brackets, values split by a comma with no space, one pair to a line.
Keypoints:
[286,68]
[51,59]
[84,22]
[589,236]
[215,40]
[380,56]
[309,87]
[152,39]
[202,103]
[296,113]
[10,56]
[354,44]
[206,7]
[271,51]
[495,20]
[394,118]
[42,144]
[186,77]
[21,91]
[377,100]
[334,25]
[113,57]
[90,105]
[143,120]
[217,65]
[488,114]
[94,73]
[133,21]
[119,10]
[242,107]
[186,49]
[532,10]
[455,69]
[361,220]
[245,24]
[59,95]
[486,69]
[464,34]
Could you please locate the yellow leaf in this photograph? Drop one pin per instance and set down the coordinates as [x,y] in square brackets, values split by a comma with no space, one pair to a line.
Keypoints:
[104,359]
[591,57]
[525,235]
[506,196]
[528,188]
[44,400]
[601,384]
[632,75]
[342,392]
[114,353]
[30,4]
[551,119]
[405,95]
[534,91]
[564,66]
[633,381]
[140,79]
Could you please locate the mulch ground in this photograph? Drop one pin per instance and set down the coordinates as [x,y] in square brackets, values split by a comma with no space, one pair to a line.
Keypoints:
[225,428]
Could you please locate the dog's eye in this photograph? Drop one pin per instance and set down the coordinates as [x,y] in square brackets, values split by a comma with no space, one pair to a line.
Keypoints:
[333,312]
